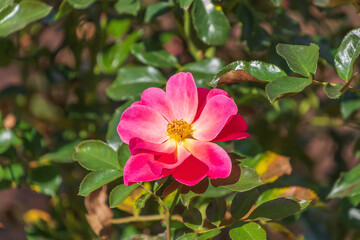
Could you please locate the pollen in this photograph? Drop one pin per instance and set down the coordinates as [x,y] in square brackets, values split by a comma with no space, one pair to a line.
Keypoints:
[179,129]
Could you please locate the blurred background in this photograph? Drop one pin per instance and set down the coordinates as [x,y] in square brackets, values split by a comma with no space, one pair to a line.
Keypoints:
[64,77]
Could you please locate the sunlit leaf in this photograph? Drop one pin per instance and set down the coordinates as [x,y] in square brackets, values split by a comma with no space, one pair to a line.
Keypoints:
[140,202]
[247,231]
[95,180]
[120,193]
[117,27]
[132,81]
[96,155]
[5,3]
[253,71]
[275,209]
[156,58]
[285,85]
[5,139]
[128,204]
[347,53]
[333,90]
[64,9]
[186,198]
[131,7]
[17,16]
[347,185]
[301,59]
[270,166]
[243,202]
[13,172]
[303,196]
[248,180]
[187,236]
[210,22]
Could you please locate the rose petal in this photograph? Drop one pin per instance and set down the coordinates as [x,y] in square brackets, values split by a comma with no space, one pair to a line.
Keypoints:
[182,95]
[191,171]
[212,155]
[137,169]
[205,95]
[213,118]
[156,99]
[235,129]
[168,161]
[137,145]
[142,122]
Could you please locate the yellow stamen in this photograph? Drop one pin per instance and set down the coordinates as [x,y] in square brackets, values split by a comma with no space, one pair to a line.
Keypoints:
[179,129]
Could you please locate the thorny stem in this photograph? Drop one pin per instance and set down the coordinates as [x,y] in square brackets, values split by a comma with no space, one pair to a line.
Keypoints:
[166,211]
[346,86]
[144,218]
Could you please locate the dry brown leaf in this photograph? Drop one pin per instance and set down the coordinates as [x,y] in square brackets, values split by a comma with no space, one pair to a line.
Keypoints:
[99,213]
[234,76]
[272,166]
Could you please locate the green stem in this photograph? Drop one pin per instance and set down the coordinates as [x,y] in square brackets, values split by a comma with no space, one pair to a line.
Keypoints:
[347,86]
[195,52]
[166,211]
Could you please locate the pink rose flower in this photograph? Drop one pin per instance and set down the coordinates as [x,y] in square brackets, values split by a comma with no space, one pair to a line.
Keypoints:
[173,132]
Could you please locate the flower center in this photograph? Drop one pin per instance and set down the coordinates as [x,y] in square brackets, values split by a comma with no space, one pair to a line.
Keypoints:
[179,129]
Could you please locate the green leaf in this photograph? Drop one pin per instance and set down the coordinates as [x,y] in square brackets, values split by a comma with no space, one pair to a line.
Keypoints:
[347,53]
[80,4]
[185,4]
[19,15]
[209,234]
[285,85]
[333,90]
[259,71]
[117,27]
[156,58]
[120,193]
[1,173]
[192,218]
[275,209]
[132,81]
[95,180]
[47,178]
[5,139]
[247,147]
[301,59]
[64,9]
[210,23]
[347,185]
[96,155]
[140,202]
[110,60]
[187,236]
[349,107]
[63,154]
[112,136]
[123,154]
[204,70]
[242,203]
[5,3]
[131,7]
[248,231]
[186,198]
[216,210]
[277,3]
[13,172]
[248,180]
[331,3]
[155,10]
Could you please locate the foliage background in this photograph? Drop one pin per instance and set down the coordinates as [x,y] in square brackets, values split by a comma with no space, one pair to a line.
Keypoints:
[67,77]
